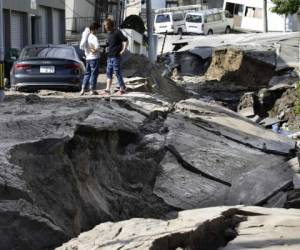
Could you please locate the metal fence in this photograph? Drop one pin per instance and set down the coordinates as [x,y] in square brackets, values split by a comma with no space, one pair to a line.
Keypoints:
[76,25]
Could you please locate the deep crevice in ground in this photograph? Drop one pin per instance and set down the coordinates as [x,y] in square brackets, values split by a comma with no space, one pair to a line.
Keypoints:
[210,235]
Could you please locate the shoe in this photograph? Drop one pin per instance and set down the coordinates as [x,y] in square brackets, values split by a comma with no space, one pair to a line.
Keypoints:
[81,92]
[118,89]
[120,92]
[93,92]
[104,92]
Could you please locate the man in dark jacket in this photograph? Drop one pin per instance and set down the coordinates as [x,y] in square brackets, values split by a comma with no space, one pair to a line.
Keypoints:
[117,45]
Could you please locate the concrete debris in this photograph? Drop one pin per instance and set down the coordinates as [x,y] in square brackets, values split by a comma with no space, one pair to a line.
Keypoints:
[273,105]
[138,84]
[82,157]
[139,66]
[224,228]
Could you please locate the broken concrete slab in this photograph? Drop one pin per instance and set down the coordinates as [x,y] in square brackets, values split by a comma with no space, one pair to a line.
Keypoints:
[80,158]
[225,228]
[247,112]
[182,188]
[138,84]
[274,229]
[258,185]
[268,122]
[235,127]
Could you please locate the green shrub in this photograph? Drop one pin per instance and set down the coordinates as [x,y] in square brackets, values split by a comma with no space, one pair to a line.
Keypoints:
[297,102]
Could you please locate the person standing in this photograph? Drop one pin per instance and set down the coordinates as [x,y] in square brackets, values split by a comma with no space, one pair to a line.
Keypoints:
[117,45]
[89,42]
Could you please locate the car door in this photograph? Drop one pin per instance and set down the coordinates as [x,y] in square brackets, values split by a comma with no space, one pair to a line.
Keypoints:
[218,25]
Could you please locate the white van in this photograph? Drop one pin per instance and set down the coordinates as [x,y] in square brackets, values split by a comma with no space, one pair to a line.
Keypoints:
[208,22]
[170,22]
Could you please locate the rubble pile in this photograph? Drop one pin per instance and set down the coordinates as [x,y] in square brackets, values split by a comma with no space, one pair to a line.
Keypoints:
[139,66]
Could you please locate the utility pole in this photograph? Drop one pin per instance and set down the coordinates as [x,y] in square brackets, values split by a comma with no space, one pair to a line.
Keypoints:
[1,53]
[151,51]
[118,13]
[265,16]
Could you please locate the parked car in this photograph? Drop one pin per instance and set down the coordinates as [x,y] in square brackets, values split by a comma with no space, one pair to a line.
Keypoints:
[47,67]
[170,23]
[208,22]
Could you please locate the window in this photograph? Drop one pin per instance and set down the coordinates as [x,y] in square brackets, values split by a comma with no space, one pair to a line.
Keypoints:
[163,18]
[194,19]
[217,17]
[228,14]
[253,12]
[209,19]
[178,17]
[238,9]
[45,52]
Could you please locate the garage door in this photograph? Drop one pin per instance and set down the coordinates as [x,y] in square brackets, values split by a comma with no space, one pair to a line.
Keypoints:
[56,27]
[16,34]
[44,13]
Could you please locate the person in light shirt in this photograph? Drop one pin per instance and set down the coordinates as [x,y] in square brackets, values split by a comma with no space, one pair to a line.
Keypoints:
[89,43]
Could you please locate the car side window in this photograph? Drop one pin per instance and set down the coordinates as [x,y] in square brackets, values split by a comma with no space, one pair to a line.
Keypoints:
[217,17]
[210,18]
[178,17]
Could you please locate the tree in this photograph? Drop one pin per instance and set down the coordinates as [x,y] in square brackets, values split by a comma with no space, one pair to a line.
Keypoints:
[285,7]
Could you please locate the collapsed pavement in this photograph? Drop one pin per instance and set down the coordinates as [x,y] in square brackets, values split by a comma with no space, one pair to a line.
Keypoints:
[85,161]
[225,67]
[69,164]
[208,229]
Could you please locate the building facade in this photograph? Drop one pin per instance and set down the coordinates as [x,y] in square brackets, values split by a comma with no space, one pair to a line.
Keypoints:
[29,22]
[210,3]
[248,15]
[81,13]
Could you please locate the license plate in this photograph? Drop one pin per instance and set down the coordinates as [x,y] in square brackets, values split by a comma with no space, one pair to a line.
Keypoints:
[47,69]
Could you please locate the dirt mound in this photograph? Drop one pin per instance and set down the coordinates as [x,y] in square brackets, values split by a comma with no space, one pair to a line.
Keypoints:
[139,66]
[284,108]
[235,65]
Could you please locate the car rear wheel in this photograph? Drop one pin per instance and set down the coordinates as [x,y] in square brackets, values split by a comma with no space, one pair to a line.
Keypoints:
[210,32]
[228,30]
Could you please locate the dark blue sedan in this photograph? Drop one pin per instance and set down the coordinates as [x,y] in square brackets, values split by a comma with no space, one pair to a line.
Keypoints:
[56,67]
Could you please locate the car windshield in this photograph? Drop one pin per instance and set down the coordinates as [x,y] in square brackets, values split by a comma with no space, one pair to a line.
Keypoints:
[48,52]
[193,19]
[163,18]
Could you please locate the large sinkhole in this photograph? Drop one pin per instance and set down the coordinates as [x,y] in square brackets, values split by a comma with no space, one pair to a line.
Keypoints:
[77,183]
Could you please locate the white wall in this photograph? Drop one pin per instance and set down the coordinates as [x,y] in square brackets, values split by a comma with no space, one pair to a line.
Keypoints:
[79,8]
[158,4]
[275,21]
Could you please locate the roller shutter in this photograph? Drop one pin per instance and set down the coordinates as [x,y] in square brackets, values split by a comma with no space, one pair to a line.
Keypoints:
[16,30]
[44,13]
[56,27]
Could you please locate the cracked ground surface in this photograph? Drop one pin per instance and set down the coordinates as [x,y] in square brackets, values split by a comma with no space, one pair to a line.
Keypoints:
[69,163]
